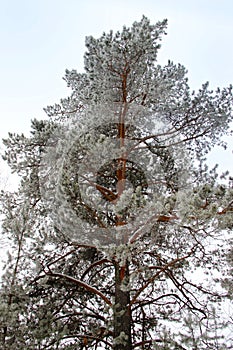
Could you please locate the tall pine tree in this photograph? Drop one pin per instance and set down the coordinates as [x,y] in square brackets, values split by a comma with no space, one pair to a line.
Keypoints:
[119,231]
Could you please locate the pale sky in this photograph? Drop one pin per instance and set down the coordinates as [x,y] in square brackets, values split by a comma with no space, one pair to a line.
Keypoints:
[39,39]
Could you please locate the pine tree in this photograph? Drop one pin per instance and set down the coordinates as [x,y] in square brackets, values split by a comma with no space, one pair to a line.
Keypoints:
[119,230]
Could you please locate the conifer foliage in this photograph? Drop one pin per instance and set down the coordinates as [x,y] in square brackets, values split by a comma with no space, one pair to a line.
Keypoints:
[119,234]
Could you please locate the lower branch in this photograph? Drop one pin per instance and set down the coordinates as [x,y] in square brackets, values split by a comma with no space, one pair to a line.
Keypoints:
[81,284]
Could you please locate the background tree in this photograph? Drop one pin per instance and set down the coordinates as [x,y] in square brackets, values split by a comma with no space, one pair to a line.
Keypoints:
[119,231]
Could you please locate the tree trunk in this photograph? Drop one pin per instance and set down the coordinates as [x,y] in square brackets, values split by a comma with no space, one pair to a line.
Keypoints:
[122,312]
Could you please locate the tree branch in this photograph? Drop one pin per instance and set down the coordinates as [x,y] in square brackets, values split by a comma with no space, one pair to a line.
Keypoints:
[81,284]
[97,263]
[163,269]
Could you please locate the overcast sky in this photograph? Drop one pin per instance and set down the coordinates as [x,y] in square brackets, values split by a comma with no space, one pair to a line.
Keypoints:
[41,38]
